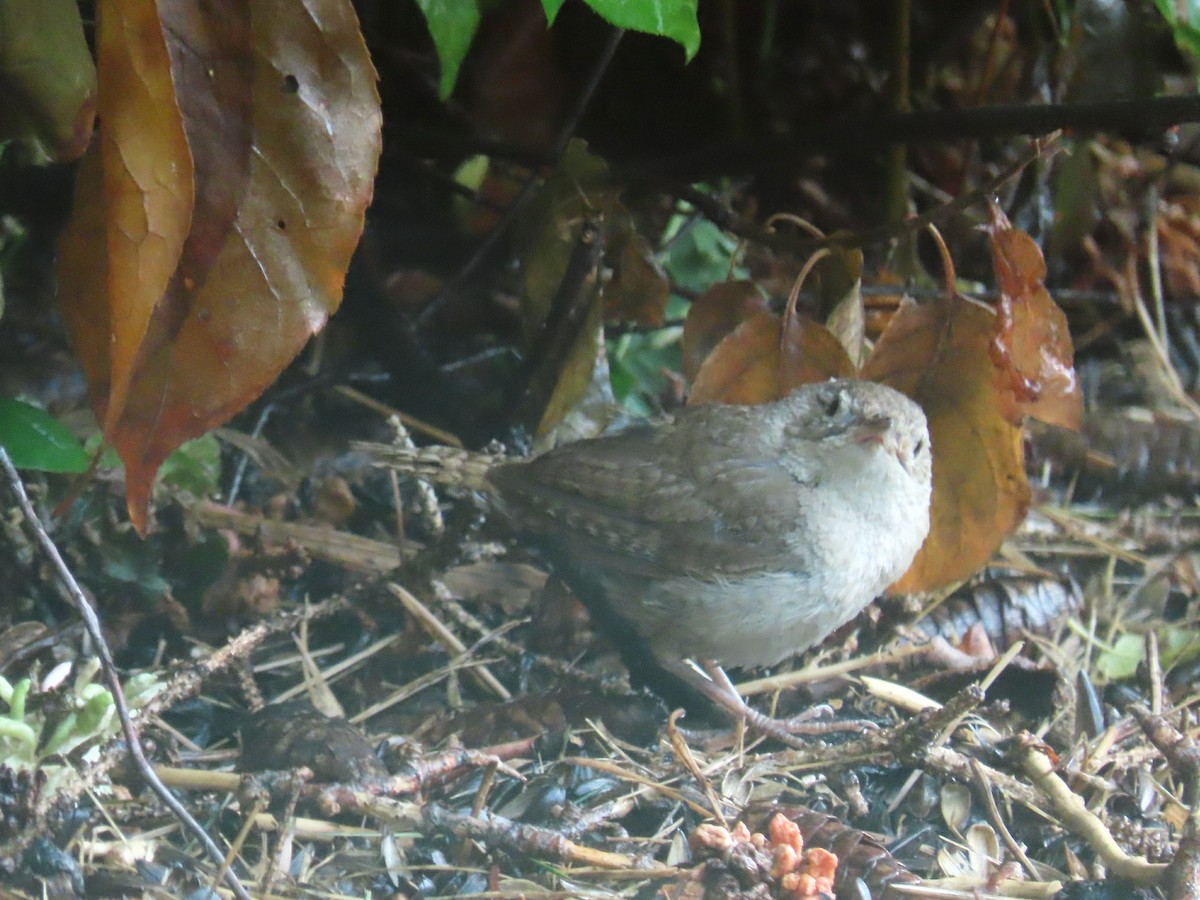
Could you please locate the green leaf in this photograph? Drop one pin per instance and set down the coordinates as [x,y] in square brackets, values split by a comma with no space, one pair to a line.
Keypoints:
[674,19]
[59,735]
[637,363]
[35,440]
[109,458]
[1178,645]
[552,7]
[95,708]
[19,695]
[700,256]
[1122,660]
[195,467]
[452,25]
[47,78]
[18,732]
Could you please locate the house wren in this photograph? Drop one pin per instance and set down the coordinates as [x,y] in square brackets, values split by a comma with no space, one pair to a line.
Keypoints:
[731,535]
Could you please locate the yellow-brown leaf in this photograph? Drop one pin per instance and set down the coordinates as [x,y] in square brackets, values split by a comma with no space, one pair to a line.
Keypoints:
[938,354]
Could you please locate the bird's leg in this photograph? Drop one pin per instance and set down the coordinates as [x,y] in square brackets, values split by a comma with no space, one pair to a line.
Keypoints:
[718,688]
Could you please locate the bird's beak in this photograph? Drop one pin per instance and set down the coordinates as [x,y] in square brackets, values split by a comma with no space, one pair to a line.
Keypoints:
[878,431]
[872,430]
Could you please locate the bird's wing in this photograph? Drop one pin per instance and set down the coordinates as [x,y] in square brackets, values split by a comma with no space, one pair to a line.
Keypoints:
[651,503]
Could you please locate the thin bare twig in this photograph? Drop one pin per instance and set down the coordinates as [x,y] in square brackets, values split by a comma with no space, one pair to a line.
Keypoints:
[92,623]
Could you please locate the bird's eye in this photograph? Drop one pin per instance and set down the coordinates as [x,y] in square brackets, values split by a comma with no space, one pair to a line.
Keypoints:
[920,447]
[833,404]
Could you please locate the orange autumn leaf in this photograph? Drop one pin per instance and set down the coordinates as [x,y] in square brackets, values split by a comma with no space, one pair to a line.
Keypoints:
[766,357]
[215,217]
[133,205]
[977,370]
[713,315]
[1032,348]
[938,354]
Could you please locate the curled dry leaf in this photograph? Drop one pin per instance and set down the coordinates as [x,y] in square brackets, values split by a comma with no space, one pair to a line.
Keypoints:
[766,357]
[1032,348]
[977,371]
[215,217]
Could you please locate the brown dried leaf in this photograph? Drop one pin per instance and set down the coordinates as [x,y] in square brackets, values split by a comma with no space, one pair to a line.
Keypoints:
[295,734]
[215,218]
[713,315]
[756,364]
[879,308]
[1178,227]
[133,204]
[1032,347]
[938,354]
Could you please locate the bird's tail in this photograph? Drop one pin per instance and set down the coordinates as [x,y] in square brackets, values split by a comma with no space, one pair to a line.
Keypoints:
[441,465]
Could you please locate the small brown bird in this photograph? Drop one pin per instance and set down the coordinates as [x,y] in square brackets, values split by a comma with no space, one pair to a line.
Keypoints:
[731,535]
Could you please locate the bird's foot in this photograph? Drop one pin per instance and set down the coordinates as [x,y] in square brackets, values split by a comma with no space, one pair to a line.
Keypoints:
[811,723]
